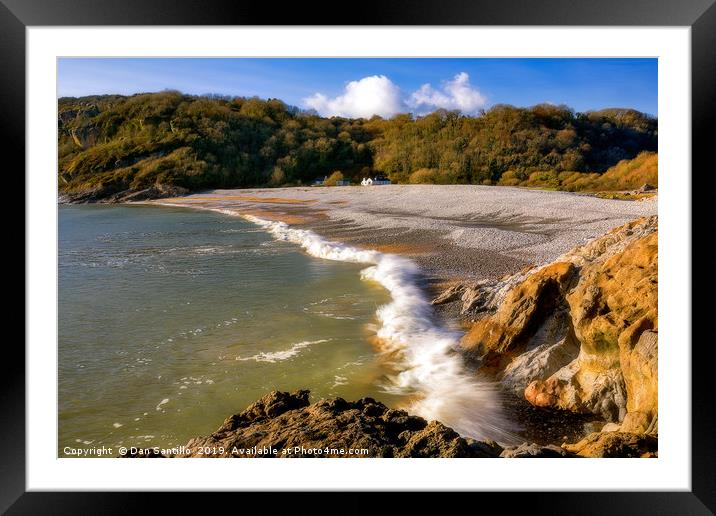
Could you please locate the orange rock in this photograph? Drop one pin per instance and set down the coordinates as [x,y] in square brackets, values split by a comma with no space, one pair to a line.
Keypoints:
[522,312]
[615,444]
[609,290]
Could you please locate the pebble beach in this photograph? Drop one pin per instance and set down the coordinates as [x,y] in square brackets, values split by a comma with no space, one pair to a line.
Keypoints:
[451,231]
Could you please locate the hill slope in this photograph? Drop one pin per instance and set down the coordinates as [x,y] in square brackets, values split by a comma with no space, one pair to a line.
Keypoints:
[114,145]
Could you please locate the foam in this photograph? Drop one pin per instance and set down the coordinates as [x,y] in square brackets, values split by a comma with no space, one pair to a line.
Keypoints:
[278,356]
[431,370]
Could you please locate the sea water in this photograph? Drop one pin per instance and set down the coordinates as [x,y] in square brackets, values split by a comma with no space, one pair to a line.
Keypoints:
[171,319]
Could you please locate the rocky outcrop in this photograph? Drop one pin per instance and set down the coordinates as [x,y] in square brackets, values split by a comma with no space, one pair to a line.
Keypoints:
[615,444]
[287,425]
[535,451]
[110,195]
[282,421]
[157,191]
[613,311]
[579,334]
[480,297]
[89,195]
[522,313]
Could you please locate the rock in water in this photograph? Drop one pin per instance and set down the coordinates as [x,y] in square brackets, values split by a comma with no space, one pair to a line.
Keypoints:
[281,421]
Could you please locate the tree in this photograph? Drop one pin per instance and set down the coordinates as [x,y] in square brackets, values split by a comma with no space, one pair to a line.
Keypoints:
[111,143]
[334,178]
[278,177]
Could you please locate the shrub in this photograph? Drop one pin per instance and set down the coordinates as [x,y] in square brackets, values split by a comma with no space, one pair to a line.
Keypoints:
[625,175]
[509,178]
[278,177]
[543,179]
[334,178]
[427,176]
[631,174]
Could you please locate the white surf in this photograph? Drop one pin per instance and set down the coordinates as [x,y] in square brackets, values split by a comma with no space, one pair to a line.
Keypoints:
[430,369]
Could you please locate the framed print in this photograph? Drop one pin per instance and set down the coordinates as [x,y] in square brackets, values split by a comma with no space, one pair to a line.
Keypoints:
[427,244]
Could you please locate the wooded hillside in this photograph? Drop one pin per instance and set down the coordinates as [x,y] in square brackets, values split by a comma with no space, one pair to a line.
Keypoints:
[111,143]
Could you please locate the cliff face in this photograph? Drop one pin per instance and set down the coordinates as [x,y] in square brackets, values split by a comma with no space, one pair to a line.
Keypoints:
[580,334]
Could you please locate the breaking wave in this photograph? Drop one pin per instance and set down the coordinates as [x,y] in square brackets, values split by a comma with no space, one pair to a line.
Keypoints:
[432,372]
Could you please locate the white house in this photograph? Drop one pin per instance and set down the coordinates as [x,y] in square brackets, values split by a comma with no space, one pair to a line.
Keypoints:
[379,180]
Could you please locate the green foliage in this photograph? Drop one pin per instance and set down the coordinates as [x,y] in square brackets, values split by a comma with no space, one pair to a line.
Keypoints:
[278,177]
[334,178]
[432,176]
[505,138]
[114,142]
[424,176]
[628,174]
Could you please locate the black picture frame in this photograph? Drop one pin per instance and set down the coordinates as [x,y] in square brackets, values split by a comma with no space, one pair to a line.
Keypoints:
[700,15]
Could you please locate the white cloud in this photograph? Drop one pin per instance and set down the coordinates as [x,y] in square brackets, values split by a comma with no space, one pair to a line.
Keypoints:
[374,95]
[378,95]
[455,94]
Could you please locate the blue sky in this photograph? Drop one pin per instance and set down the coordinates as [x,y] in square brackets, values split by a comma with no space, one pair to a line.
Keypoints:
[356,87]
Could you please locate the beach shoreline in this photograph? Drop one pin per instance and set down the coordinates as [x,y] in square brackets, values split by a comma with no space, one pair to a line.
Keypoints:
[453,232]
[481,239]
